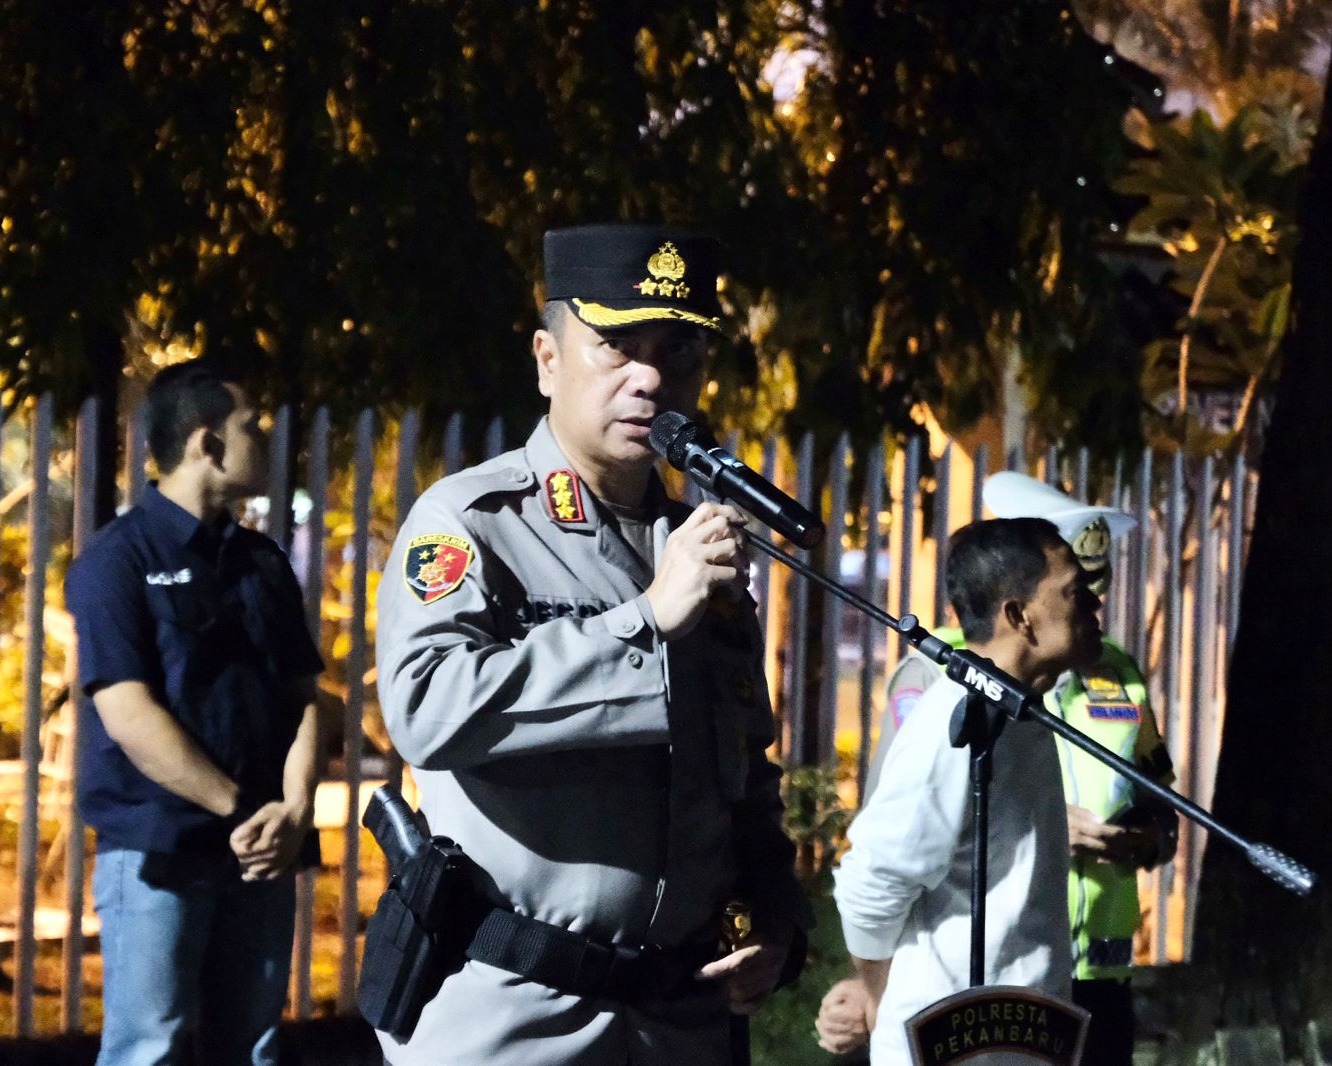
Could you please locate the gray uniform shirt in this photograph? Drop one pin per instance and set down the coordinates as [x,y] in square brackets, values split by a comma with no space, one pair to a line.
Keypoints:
[605,782]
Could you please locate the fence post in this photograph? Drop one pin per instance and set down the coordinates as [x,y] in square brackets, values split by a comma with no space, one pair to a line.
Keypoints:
[869,632]
[34,606]
[86,462]
[453,443]
[1234,562]
[1142,561]
[1113,603]
[798,657]
[979,472]
[136,454]
[404,497]
[1173,591]
[910,493]
[405,484]
[763,562]
[1171,718]
[279,480]
[317,480]
[832,606]
[943,486]
[1201,689]
[776,645]
[494,437]
[352,735]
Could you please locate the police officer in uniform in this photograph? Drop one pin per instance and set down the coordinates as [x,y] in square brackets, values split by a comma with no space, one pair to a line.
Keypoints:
[1113,831]
[571,664]
[198,766]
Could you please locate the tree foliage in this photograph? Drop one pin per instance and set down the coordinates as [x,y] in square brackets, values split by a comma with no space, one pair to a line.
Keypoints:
[1229,54]
[260,179]
[1219,188]
[960,195]
[349,197]
[1221,202]
[77,176]
[582,112]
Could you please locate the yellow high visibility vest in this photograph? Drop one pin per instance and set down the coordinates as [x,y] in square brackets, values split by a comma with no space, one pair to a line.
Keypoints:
[1109,703]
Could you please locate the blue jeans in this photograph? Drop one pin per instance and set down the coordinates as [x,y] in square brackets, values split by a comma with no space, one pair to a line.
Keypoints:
[208,963]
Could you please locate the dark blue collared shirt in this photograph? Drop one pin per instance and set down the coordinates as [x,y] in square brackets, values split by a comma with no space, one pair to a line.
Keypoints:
[210,619]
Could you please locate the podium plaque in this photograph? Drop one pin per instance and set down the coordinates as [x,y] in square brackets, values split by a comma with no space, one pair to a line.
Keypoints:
[998,1019]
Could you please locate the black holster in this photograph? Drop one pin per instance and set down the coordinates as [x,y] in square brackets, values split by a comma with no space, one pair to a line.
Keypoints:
[420,929]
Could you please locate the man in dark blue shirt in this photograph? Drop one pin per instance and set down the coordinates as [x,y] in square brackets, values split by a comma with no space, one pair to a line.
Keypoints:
[200,759]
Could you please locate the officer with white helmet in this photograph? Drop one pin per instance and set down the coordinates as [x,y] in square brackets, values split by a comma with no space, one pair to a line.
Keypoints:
[1113,831]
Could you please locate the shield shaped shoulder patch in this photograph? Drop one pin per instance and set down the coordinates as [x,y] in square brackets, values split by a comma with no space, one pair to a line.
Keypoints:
[434,565]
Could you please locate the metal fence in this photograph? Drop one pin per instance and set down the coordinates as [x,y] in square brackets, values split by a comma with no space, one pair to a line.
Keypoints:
[1174,605]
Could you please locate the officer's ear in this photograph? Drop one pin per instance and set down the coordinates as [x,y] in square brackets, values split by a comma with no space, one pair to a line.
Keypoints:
[546,351]
[1014,614]
[207,444]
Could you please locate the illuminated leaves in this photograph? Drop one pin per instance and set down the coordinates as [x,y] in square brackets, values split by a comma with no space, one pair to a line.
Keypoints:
[1220,201]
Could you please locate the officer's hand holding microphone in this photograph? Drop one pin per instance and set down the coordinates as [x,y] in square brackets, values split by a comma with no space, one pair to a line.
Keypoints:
[706,553]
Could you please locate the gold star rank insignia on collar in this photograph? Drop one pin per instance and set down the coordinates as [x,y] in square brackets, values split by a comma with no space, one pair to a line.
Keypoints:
[564,496]
[435,564]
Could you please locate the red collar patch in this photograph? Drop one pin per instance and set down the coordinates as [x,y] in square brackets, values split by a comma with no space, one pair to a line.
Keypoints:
[435,564]
[564,496]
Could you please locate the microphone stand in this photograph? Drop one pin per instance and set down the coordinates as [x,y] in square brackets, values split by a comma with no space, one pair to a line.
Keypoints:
[977,725]
[994,696]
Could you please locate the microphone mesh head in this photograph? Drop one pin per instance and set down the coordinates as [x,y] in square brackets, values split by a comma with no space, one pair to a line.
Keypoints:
[668,430]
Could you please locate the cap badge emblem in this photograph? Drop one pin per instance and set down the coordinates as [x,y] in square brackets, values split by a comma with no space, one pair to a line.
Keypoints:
[667,268]
[1092,544]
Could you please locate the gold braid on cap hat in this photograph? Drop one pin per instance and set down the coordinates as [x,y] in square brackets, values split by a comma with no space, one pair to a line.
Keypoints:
[600,315]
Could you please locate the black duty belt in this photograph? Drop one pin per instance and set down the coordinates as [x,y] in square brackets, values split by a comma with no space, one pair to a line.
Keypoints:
[581,966]
[1116,952]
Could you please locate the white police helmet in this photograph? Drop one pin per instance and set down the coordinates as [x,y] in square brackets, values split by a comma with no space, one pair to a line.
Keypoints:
[1089,529]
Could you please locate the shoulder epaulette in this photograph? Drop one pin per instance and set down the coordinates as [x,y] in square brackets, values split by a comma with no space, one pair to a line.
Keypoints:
[501,474]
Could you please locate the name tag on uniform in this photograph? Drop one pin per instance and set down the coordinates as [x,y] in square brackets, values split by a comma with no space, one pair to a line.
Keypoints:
[171,577]
[1115,712]
[538,609]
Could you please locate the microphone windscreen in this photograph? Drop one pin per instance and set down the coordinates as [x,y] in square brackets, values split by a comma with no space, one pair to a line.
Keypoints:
[668,429]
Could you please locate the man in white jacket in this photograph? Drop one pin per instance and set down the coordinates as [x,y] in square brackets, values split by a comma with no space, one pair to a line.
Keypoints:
[903,889]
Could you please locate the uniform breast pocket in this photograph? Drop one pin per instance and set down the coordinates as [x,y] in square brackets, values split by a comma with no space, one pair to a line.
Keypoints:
[262,614]
[186,632]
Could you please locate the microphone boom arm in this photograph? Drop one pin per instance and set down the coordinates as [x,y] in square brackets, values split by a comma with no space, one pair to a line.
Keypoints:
[1017,701]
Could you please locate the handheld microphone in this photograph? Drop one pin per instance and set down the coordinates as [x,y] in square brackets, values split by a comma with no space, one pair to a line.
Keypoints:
[688,446]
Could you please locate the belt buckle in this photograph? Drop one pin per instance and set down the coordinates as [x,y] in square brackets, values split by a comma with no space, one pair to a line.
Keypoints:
[667,974]
[623,970]
[642,970]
